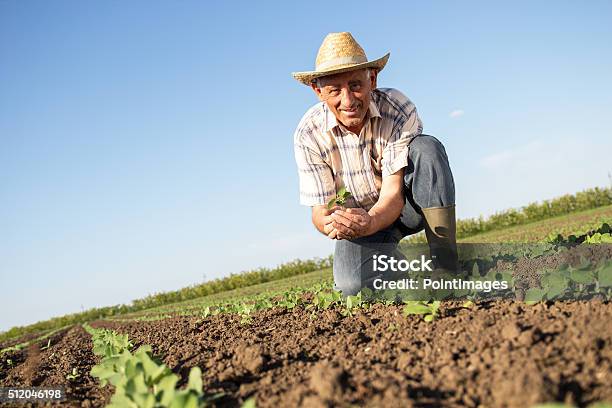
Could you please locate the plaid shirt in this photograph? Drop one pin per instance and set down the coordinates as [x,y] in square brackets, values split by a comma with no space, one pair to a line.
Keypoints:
[329,156]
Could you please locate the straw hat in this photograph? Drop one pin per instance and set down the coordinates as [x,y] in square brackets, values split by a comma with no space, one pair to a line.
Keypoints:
[339,53]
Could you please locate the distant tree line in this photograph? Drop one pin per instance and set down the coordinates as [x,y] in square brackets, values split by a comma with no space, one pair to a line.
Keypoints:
[234,281]
[538,211]
[569,203]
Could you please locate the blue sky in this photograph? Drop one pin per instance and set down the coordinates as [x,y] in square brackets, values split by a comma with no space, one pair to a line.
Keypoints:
[147,145]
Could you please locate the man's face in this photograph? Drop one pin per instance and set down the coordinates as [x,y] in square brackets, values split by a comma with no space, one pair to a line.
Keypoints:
[348,96]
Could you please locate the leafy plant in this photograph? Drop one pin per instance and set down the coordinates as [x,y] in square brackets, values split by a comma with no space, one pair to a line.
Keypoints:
[290,300]
[210,312]
[107,343]
[351,303]
[244,311]
[340,199]
[604,276]
[599,238]
[418,307]
[468,304]
[141,380]
[324,300]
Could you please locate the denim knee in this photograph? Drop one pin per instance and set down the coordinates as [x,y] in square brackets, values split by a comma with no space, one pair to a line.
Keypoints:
[427,147]
[353,269]
[428,177]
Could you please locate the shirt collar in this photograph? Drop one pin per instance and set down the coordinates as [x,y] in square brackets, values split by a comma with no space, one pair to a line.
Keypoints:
[331,121]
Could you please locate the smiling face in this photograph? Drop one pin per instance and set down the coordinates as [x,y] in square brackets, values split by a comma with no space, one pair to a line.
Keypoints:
[348,96]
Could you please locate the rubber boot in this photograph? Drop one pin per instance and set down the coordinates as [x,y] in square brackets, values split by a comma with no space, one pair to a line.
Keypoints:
[441,231]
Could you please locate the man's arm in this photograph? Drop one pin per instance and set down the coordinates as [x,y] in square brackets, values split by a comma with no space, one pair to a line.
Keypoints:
[356,222]
[390,202]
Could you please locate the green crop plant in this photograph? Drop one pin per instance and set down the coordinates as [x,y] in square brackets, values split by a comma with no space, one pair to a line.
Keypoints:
[340,199]
[604,276]
[468,304]
[106,342]
[244,311]
[570,282]
[74,374]
[599,238]
[264,303]
[351,303]
[324,300]
[250,403]
[210,312]
[47,346]
[601,235]
[141,380]
[290,299]
[430,311]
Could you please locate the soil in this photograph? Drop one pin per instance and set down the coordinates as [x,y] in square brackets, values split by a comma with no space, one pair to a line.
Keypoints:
[39,366]
[497,354]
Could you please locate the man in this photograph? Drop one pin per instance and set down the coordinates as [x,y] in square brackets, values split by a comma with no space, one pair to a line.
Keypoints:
[369,141]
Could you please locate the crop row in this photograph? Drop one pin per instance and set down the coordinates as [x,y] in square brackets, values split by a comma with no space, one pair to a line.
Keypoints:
[140,379]
[565,282]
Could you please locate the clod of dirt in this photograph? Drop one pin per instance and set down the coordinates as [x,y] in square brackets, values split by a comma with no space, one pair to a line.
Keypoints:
[404,361]
[511,331]
[249,358]
[327,380]
[526,338]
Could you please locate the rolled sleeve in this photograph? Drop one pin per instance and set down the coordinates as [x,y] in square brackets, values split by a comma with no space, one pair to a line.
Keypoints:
[317,185]
[395,153]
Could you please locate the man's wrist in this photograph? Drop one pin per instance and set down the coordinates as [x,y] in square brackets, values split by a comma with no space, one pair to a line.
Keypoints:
[374,225]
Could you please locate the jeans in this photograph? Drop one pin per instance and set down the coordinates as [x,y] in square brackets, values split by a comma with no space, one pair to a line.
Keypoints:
[428,182]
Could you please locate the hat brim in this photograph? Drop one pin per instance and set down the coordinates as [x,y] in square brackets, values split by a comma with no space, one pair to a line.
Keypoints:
[307,77]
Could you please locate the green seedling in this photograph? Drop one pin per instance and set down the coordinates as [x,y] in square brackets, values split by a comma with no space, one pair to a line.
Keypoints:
[9,362]
[339,199]
[418,307]
[468,304]
[604,276]
[352,303]
[250,403]
[108,343]
[141,380]
[324,300]
[73,375]
[244,311]
[210,312]
[47,346]
[290,300]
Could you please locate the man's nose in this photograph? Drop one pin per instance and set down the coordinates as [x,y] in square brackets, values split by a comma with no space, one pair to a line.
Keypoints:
[347,98]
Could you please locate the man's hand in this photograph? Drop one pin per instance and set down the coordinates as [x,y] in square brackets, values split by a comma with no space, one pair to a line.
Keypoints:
[323,218]
[351,223]
[329,229]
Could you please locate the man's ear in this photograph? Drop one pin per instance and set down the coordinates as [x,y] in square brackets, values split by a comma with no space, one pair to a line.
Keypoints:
[317,90]
[373,78]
